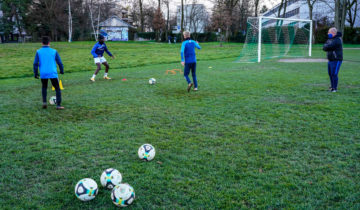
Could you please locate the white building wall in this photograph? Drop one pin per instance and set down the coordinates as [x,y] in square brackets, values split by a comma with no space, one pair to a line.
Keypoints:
[299,9]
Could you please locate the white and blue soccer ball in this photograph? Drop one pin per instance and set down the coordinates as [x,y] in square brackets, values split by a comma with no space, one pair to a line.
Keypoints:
[123,195]
[146,152]
[152,81]
[86,189]
[52,100]
[110,178]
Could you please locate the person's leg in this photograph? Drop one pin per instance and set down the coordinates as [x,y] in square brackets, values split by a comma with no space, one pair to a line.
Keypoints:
[55,83]
[193,73]
[329,72]
[186,75]
[44,83]
[98,68]
[335,76]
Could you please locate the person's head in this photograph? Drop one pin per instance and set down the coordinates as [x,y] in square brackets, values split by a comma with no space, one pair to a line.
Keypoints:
[45,40]
[101,39]
[332,32]
[186,34]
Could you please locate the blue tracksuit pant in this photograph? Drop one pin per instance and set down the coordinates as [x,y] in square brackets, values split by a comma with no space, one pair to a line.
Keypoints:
[333,70]
[192,67]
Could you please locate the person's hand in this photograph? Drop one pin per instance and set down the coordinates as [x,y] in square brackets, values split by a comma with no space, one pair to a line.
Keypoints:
[61,72]
[36,76]
[99,56]
[183,63]
[113,57]
[197,42]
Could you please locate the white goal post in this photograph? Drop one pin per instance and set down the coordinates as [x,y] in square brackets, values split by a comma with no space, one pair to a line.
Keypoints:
[274,37]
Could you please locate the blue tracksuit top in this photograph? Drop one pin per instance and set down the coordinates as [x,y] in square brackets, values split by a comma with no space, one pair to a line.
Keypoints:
[188,51]
[46,58]
[98,50]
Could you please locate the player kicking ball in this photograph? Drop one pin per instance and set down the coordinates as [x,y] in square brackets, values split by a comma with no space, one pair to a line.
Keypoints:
[188,59]
[98,53]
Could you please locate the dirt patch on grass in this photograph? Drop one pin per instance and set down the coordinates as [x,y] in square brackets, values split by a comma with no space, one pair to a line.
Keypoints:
[303,60]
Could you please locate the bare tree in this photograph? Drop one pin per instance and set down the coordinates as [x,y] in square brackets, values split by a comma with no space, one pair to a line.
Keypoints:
[340,14]
[256,7]
[352,7]
[182,19]
[70,22]
[90,4]
[141,16]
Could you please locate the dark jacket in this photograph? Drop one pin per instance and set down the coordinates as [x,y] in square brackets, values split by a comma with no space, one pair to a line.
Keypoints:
[334,48]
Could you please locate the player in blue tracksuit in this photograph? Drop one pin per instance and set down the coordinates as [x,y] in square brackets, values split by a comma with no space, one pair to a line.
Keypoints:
[46,58]
[188,59]
[334,49]
[98,54]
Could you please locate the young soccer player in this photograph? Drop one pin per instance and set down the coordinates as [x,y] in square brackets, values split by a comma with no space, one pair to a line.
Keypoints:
[334,49]
[188,59]
[47,58]
[98,53]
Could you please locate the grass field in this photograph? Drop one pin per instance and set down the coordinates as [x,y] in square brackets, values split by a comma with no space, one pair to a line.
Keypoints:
[266,136]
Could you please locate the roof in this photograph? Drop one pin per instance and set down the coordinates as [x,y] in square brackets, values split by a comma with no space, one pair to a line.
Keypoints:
[115,21]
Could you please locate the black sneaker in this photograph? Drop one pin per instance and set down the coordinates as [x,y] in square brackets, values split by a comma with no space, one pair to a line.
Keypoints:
[44,106]
[60,108]
[333,90]
[189,87]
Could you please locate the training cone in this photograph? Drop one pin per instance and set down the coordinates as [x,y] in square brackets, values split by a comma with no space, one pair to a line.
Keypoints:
[60,84]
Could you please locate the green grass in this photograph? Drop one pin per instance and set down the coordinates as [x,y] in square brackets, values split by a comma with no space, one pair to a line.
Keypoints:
[265,136]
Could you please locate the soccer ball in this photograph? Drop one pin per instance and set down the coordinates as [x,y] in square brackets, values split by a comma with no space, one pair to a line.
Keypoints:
[152,81]
[86,189]
[146,152]
[110,177]
[123,195]
[52,100]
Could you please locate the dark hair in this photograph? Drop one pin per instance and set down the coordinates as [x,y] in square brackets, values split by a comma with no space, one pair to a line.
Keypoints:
[101,37]
[45,40]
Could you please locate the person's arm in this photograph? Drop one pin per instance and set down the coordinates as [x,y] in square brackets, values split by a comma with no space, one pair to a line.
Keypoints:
[36,66]
[59,63]
[93,51]
[330,45]
[108,52]
[182,53]
[197,45]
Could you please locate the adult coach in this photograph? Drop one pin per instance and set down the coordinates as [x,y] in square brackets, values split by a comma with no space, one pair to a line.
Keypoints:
[334,49]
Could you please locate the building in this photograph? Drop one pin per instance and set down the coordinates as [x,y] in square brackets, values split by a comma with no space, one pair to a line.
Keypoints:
[115,29]
[299,9]
[196,18]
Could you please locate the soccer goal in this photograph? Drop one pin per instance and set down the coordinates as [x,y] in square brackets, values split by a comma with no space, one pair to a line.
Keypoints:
[269,37]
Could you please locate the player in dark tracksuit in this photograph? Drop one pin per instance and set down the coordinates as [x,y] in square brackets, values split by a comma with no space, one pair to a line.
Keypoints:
[334,49]
[188,59]
[46,58]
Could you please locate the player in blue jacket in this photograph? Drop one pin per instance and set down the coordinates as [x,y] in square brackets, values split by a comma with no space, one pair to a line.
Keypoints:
[334,50]
[188,59]
[46,58]
[98,54]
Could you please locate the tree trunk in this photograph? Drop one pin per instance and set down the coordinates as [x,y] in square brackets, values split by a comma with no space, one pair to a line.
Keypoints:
[91,19]
[141,16]
[340,14]
[182,19]
[70,23]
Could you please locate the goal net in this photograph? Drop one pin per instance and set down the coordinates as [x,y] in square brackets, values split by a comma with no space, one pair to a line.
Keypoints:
[268,37]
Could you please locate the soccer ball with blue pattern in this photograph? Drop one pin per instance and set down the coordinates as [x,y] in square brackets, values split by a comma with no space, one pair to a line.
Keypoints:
[146,152]
[123,195]
[52,100]
[86,189]
[152,81]
[110,177]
